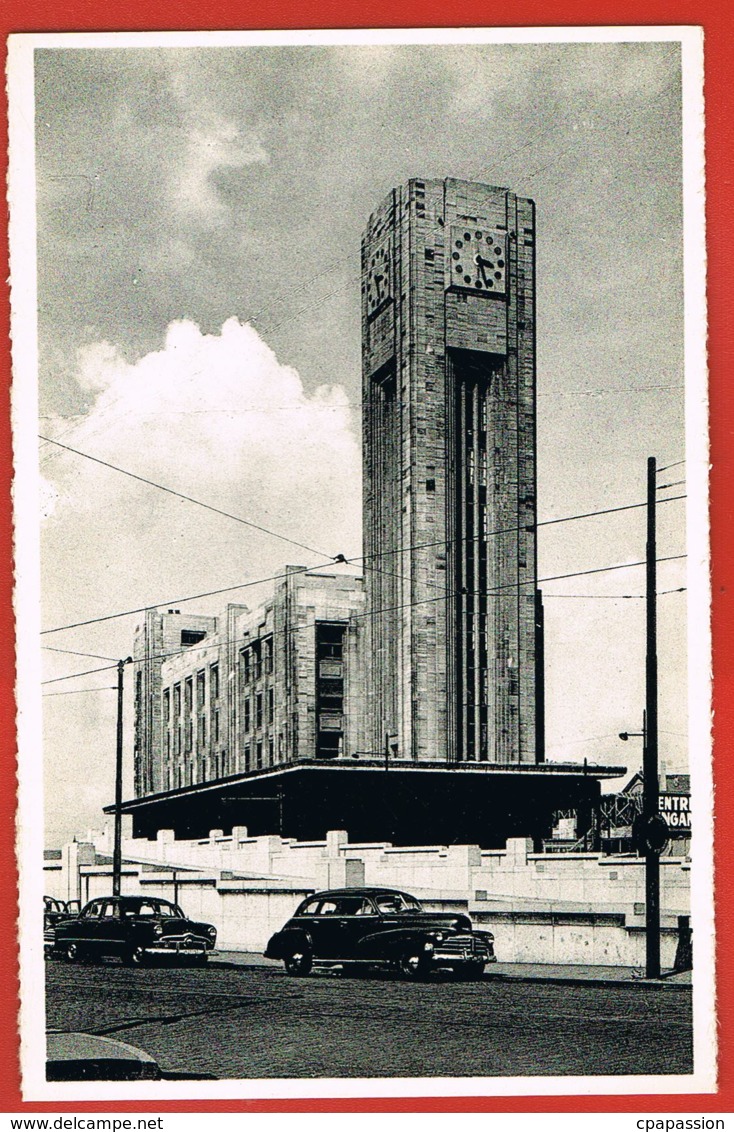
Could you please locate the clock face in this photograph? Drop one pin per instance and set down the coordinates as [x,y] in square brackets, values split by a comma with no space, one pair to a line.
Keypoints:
[477,259]
[379,277]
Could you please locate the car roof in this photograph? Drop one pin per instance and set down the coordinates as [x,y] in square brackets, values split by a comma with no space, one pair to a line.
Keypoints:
[130,900]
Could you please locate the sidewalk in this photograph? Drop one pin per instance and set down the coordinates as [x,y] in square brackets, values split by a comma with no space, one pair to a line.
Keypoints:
[560,973]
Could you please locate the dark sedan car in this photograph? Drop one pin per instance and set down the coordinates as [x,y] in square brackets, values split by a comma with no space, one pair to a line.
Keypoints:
[135,928]
[54,911]
[358,928]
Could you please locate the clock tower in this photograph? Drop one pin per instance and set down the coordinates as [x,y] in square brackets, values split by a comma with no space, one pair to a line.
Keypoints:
[448,333]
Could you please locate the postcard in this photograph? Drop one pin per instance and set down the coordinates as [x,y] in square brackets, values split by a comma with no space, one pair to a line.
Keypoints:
[361,494]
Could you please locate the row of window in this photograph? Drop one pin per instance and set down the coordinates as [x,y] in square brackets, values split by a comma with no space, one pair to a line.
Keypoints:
[175,700]
[258,711]
[191,771]
[256,660]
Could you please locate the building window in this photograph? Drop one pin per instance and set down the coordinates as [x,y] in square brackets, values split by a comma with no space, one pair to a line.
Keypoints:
[176,701]
[267,655]
[271,705]
[247,758]
[257,660]
[248,706]
[215,726]
[189,736]
[200,689]
[214,682]
[188,694]
[259,752]
[192,636]
[246,666]
[166,705]
[271,751]
[329,689]
[258,711]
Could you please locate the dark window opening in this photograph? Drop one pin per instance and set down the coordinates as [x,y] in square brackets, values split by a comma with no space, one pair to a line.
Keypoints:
[192,636]
[330,689]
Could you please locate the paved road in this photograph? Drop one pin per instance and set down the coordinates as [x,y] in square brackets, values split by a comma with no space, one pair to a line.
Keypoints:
[247,1021]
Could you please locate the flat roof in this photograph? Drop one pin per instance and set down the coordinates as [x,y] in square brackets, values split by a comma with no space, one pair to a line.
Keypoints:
[394,766]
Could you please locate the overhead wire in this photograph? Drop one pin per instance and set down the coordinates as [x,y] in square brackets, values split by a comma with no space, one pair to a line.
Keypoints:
[76,675]
[364,559]
[187,498]
[78,691]
[449,595]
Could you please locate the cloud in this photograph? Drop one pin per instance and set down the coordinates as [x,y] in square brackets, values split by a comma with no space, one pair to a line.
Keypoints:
[212,145]
[216,417]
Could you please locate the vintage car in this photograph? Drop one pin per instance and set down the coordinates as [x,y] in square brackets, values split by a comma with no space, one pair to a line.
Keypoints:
[359,928]
[54,911]
[135,928]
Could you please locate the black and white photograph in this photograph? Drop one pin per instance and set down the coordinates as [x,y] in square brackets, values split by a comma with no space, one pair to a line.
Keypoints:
[360,439]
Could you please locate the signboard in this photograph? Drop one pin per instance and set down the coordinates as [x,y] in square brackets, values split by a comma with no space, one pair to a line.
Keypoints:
[676,810]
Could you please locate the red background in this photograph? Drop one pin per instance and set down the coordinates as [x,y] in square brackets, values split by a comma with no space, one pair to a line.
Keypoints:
[716,19]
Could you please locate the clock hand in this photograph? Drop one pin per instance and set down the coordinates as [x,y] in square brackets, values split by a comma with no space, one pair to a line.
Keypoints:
[481,263]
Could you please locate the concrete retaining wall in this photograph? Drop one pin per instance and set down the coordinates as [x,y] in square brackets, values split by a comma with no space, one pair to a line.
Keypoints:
[555,908]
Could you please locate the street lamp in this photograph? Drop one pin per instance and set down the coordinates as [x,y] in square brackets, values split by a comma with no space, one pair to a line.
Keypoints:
[117,850]
[652,837]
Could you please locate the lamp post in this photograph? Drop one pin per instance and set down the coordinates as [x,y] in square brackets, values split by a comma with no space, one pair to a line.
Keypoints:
[654,829]
[117,850]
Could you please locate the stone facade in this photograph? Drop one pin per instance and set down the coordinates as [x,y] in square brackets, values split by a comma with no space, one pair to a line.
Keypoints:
[215,697]
[448,330]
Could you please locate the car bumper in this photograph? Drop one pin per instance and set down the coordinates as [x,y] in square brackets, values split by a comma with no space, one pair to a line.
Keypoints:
[180,947]
[470,953]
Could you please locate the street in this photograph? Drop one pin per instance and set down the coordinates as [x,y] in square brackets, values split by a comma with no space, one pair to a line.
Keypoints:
[254,1021]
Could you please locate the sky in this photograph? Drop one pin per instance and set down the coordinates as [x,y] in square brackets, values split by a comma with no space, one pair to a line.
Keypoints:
[199,215]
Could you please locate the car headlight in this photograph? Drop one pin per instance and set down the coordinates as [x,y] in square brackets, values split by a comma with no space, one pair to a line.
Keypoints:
[211,932]
[157,929]
[438,936]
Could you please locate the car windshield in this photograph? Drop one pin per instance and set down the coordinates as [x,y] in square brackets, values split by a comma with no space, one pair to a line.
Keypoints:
[397,902]
[153,908]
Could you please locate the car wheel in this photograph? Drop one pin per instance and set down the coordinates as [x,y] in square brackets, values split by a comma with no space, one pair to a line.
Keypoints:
[414,964]
[299,962]
[135,957]
[73,953]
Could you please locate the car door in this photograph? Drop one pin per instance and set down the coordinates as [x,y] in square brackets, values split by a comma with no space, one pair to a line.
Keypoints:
[324,929]
[85,930]
[111,929]
[342,922]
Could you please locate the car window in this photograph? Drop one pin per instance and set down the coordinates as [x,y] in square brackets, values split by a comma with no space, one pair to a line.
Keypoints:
[309,909]
[165,909]
[92,911]
[109,910]
[328,908]
[147,909]
[396,902]
[354,906]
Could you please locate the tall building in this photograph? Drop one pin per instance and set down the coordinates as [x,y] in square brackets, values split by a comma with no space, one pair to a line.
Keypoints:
[448,333]
[409,707]
[251,690]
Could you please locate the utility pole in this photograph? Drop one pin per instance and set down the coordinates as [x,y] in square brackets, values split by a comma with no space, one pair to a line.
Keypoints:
[117,851]
[650,750]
